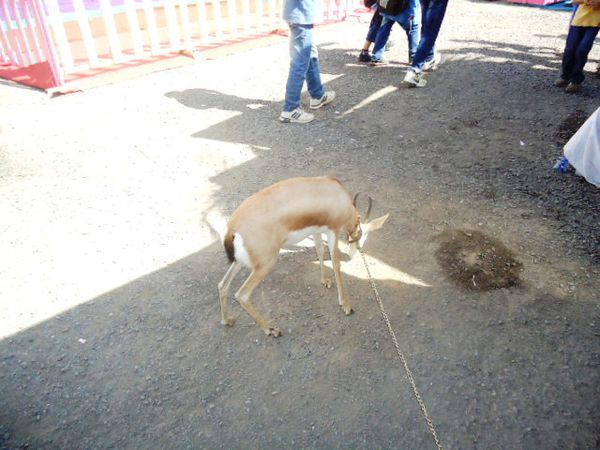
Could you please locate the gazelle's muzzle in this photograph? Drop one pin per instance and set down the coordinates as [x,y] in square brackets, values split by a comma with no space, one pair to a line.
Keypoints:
[355,237]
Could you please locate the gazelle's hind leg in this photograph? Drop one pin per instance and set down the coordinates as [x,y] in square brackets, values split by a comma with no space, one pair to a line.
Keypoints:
[244,293]
[319,247]
[334,251]
[224,284]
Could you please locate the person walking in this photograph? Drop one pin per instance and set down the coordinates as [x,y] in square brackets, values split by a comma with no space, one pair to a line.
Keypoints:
[583,29]
[426,58]
[301,15]
[374,25]
[409,20]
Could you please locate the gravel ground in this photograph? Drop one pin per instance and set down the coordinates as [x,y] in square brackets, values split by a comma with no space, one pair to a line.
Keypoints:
[109,316]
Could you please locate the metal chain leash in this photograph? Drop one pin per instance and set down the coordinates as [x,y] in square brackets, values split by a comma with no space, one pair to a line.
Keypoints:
[402,358]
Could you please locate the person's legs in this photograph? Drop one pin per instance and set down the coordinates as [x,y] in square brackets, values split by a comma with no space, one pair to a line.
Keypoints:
[588,34]
[304,65]
[412,27]
[573,39]
[373,29]
[371,35]
[301,51]
[313,75]
[382,38]
[433,12]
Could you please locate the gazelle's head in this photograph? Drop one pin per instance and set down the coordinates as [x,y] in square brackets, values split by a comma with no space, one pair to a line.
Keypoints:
[362,227]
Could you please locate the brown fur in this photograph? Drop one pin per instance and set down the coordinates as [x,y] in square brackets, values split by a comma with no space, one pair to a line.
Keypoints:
[307,220]
[311,206]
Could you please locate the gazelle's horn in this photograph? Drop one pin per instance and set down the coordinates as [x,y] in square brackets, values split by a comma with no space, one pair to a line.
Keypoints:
[368,208]
[355,198]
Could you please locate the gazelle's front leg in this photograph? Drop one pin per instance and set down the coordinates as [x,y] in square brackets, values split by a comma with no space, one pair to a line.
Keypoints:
[319,247]
[334,251]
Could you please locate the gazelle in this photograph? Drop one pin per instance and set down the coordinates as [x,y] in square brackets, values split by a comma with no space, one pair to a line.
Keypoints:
[284,214]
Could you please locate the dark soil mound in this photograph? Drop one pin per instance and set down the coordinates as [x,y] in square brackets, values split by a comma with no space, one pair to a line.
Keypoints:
[477,261]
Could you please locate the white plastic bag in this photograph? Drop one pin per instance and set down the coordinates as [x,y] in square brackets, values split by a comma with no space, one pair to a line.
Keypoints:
[583,149]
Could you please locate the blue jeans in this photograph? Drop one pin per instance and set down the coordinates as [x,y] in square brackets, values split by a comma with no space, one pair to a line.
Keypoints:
[578,46]
[304,65]
[411,27]
[433,12]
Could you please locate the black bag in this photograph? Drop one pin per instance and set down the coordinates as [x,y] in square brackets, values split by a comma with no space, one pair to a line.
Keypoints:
[392,7]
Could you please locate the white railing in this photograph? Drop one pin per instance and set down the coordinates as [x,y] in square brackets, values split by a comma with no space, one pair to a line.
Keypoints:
[75,36]
[25,39]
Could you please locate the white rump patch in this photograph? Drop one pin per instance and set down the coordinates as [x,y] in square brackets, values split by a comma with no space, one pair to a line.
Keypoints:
[240,252]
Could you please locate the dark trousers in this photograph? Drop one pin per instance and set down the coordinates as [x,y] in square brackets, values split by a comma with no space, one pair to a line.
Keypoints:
[578,46]
[374,26]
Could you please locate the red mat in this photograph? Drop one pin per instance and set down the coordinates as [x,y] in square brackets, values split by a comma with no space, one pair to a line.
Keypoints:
[37,75]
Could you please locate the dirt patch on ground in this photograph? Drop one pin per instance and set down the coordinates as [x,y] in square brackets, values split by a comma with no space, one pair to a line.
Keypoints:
[477,261]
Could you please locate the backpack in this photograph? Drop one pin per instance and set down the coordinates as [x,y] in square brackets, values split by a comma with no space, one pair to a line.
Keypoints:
[392,7]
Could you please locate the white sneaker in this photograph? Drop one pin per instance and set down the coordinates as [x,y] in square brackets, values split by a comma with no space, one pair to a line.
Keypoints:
[414,79]
[433,63]
[316,103]
[296,116]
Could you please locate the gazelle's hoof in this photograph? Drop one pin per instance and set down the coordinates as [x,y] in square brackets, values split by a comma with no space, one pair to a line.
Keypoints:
[273,331]
[228,322]
[347,310]
[327,283]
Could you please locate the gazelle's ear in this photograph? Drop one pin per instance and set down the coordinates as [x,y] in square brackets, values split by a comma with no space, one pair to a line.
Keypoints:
[375,224]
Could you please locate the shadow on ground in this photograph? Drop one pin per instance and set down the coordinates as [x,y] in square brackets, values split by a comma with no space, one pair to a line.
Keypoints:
[149,365]
[471,144]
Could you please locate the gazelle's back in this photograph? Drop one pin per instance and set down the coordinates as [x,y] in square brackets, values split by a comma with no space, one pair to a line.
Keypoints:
[293,204]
